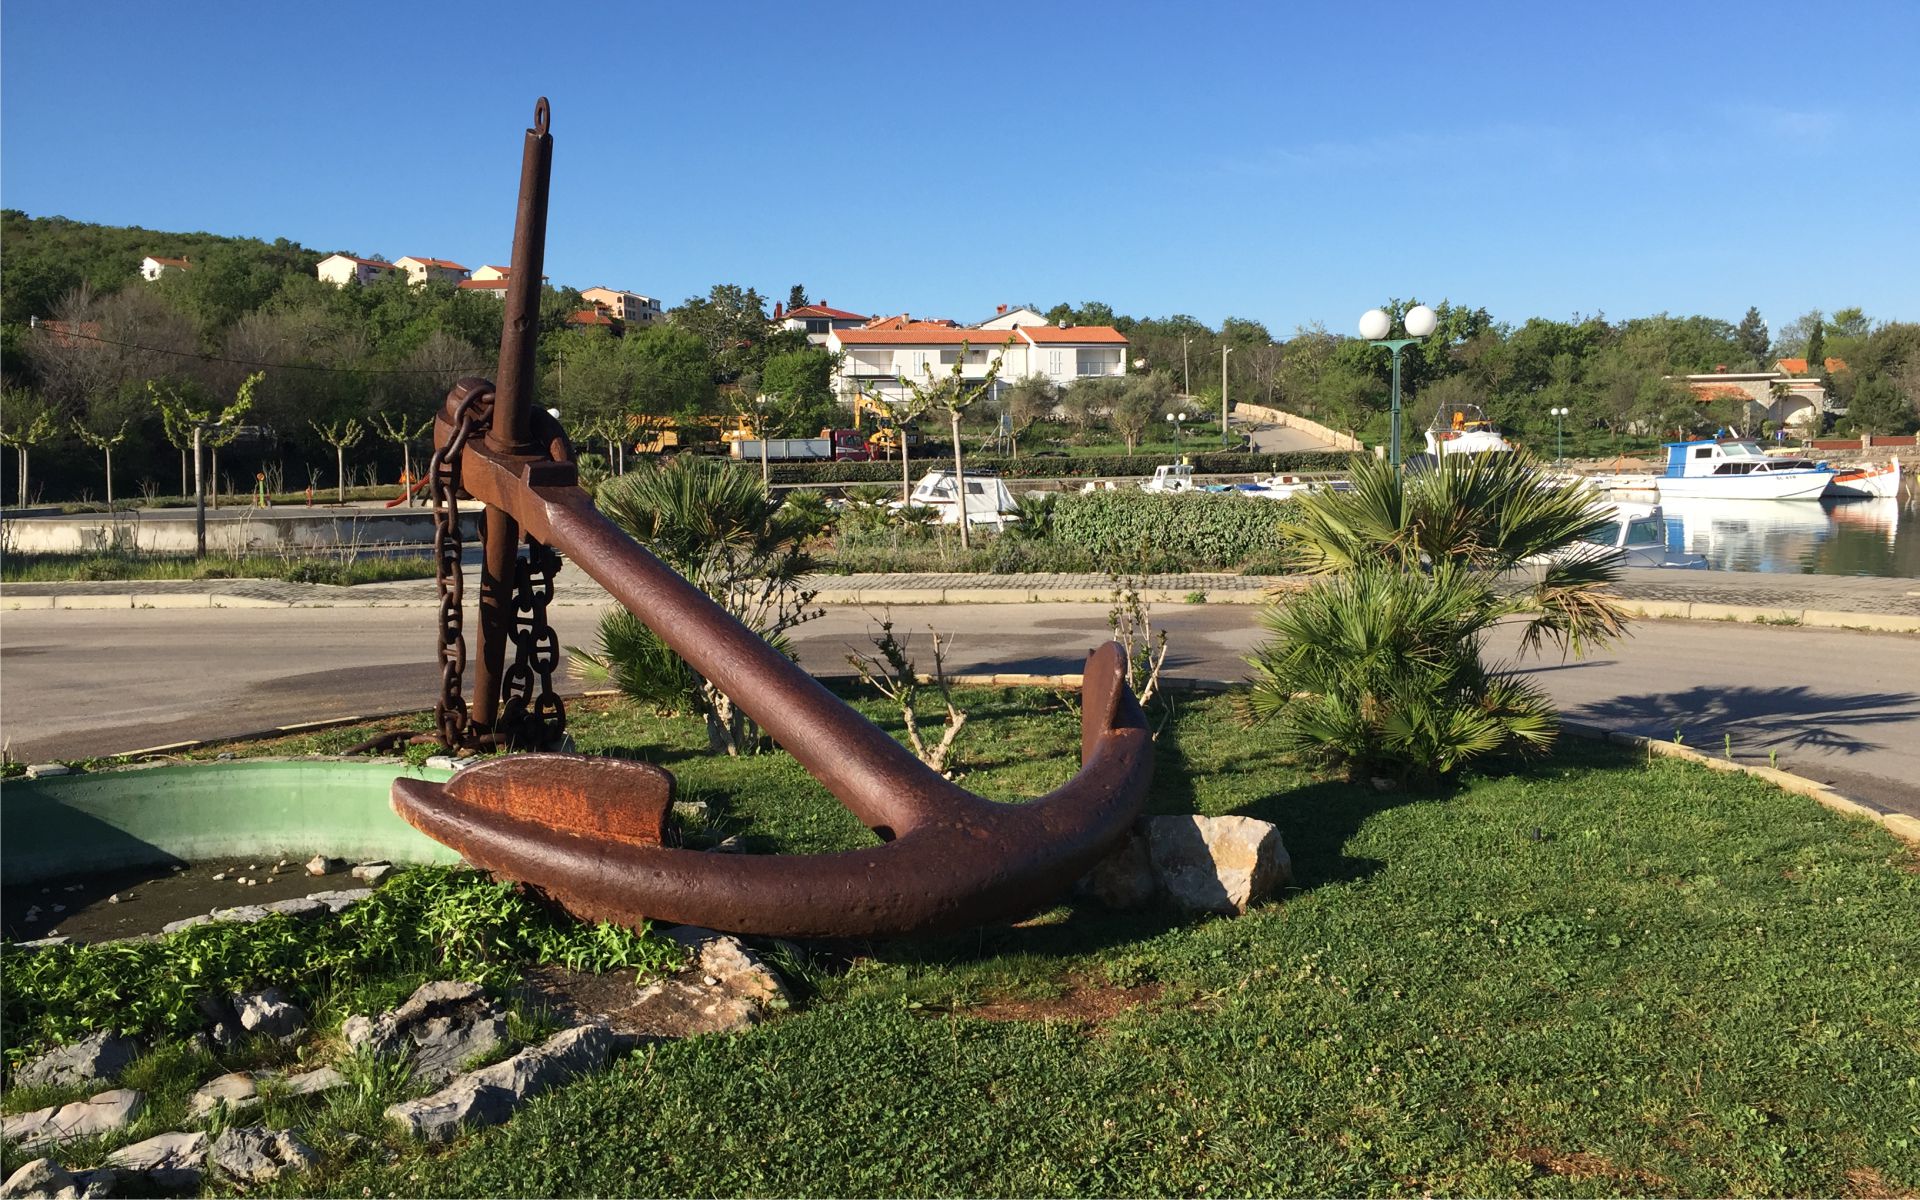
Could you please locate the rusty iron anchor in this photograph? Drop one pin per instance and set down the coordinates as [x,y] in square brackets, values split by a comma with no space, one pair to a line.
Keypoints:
[588,831]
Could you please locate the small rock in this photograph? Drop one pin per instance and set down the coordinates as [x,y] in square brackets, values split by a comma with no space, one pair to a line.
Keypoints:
[311,1082]
[171,1161]
[48,770]
[185,923]
[240,914]
[442,1045]
[42,943]
[59,908]
[223,1023]
[437,1118]
[299,906]
[256,1154]
[442,762]
[695,811]
[320,864]
[744,991]
[103,1113]
[239,1091]
[101,1056]
[489,1096]
[41,1179]
[253,866]
[1217,864]
[220,877]
[341,900]
[114,899]
[224,756]
[282,865]
[253,883]
[373,872]
[269,1013]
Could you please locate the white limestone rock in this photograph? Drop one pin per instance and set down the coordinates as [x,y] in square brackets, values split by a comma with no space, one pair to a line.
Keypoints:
[1217,864]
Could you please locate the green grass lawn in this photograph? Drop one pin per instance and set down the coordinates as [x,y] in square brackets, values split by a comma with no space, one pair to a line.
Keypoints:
[1594,975]
[44,568]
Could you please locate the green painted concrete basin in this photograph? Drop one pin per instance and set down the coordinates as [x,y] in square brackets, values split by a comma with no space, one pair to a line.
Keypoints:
[109,820]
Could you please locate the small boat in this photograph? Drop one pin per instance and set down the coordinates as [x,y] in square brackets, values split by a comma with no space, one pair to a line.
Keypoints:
[1464,429]
[1283,487]
[1171,477]
[989,503]
[1638,533]
[1737,469]
[1879,483]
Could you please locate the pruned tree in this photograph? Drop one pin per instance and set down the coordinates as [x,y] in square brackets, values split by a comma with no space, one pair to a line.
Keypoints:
[186,425]
[398,429]
[104,442]
[224,434]
[342,436]
[955,394]
[25,422]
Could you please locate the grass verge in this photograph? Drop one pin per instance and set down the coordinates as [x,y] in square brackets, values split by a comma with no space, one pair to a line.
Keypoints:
[1593,975]
[46,568]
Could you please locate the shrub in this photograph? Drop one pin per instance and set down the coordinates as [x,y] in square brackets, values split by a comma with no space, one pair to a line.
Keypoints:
[1030,467]
[1180,531]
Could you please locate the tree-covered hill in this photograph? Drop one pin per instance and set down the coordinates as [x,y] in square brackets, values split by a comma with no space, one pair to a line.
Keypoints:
[48,257]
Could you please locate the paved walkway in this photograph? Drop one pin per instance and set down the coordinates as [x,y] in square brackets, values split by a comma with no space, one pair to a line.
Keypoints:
[1809,599]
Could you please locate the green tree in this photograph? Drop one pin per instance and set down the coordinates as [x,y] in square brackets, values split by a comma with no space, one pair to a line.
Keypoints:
[342,436]
[1816,347]
[1753,339]
[103,442]
[732,322]
[1140,405]
[1877,406]
[1029,401]
[1088,402]
[800,383]
[26,420]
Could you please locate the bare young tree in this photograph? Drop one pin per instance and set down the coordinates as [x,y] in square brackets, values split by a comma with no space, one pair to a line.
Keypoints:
[892,673]
[395,428]
[956,394]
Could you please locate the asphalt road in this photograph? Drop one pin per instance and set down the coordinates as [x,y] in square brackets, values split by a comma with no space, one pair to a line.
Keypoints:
[1837,705]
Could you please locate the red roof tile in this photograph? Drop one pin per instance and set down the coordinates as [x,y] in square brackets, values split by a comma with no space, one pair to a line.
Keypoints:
[591,316]
[821,310]
[1075,335]
[923,335]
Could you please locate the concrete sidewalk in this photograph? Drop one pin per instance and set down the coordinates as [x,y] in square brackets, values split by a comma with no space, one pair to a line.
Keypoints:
[1835,601]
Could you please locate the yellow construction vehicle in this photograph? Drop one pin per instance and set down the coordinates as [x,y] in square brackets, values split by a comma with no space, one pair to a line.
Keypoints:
[885,433]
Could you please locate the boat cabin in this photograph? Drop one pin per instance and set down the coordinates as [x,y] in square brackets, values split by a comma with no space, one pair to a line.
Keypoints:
[988,500]
[1171,477]
[1735,456]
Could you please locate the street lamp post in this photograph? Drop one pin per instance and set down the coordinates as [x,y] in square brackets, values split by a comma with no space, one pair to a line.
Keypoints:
[1559,431]
[1186,371]
[1375,325]
[1175,420]
[1224,351]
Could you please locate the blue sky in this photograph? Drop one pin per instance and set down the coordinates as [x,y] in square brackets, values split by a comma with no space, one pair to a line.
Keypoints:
[1287,163]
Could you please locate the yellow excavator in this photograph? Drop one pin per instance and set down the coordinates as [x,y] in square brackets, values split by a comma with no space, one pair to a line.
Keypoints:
[885,433]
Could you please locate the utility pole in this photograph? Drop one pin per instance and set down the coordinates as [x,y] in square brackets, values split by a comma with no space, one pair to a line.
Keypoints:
[1224,351]
[1186,373]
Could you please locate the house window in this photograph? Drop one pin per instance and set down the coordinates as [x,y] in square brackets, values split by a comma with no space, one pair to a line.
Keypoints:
[1053,362]
[949,357]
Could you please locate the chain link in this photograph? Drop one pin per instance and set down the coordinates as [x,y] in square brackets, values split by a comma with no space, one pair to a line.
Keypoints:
[526,718]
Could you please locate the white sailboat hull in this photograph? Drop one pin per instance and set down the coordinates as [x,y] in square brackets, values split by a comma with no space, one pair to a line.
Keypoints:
[1883,484]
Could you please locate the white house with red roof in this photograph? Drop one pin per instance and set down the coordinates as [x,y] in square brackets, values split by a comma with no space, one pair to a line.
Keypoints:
[420,270]
[342,269]
[817,320]
[874,359]
[152,268]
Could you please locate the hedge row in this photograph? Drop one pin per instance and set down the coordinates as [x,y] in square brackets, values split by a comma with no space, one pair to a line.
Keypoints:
[1202,530]
[1030,467]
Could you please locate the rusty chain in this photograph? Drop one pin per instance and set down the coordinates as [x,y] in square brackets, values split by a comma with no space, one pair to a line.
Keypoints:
[443,490]
[526,718]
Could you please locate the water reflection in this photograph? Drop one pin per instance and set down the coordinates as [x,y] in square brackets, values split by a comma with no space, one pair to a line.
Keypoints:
[1831,537]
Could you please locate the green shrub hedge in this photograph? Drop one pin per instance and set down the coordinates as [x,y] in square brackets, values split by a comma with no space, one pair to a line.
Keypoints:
[1030,467]
[1135,530]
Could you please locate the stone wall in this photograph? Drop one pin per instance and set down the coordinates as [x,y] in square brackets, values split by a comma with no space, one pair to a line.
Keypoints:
[1274,416]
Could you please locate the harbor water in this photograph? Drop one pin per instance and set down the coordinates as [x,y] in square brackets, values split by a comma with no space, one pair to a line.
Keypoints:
[1826,537]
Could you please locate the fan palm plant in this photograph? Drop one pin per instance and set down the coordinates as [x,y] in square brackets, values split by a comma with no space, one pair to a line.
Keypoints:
[1377,664]
[720,528]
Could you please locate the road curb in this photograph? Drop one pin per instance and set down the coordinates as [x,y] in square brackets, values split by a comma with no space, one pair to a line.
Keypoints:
[1818,618]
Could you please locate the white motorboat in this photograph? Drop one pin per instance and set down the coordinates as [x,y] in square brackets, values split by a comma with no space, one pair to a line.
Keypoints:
[1171,477]
[989,503]
[1464,429]
[1283,487]
[1876,483]
[1638,533]
[1737,469]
